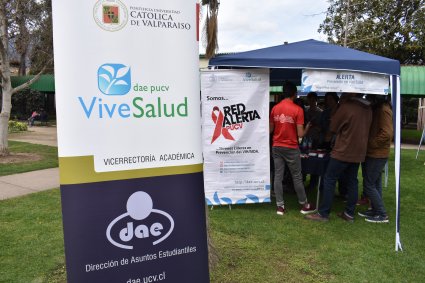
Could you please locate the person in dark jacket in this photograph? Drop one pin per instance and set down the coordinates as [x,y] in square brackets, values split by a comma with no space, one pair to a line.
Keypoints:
[378,150]
[350,124]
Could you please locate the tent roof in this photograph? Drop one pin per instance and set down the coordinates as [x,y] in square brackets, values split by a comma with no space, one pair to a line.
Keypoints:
[412,80]
[311,54]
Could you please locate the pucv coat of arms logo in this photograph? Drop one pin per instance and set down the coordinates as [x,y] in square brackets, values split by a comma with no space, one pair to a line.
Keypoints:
[110,15]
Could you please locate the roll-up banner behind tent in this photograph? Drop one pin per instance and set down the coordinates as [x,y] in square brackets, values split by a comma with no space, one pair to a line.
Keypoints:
[235,135]
[287,61]
[129,133]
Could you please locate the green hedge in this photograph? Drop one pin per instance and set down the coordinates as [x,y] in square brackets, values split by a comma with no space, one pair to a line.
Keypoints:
[15,126]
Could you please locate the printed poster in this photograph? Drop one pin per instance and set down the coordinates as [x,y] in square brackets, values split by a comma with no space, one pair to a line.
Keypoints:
[344,81]
[235,136]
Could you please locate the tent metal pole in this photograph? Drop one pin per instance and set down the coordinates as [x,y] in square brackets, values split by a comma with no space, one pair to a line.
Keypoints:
[420,142]
[395,86]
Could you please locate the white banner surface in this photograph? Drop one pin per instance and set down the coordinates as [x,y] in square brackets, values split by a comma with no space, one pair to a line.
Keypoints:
[344,81]
[235,110]
[125,96]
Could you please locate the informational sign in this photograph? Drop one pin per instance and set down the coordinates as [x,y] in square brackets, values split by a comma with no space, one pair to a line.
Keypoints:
[235,134]
[344,81]
[129,133]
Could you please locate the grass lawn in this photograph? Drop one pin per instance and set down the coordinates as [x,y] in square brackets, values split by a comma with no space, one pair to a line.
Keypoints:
[31,238]
[411,136]
[48,154]
[254,244]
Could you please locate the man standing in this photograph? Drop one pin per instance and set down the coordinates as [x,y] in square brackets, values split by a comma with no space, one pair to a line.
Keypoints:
[351,124]
[378,150]
[287,125]
[312,115]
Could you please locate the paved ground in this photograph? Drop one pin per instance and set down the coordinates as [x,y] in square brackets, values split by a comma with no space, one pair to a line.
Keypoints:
[27,183]
[38,135]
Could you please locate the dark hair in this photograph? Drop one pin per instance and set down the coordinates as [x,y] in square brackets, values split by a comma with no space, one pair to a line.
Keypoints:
[333,95]
[312,94]
[289,89]
[300,102]
[377,100]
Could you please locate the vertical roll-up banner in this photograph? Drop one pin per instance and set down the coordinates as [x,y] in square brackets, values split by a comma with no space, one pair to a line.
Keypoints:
[130,157]
[235,134]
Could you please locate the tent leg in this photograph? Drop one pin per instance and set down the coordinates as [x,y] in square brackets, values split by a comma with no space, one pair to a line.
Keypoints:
[395,86]
[398,243]
[420,142]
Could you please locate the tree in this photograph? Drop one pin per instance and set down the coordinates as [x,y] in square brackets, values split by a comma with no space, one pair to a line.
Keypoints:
[210,27]
[42,47]
[389,28]
[19,22]
[210,40]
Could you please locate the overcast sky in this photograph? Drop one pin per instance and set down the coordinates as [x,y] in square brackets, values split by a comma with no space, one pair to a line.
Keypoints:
[246,25]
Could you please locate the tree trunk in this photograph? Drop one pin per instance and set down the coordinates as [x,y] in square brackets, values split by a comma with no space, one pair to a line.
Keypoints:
[22,64]
[421,114]
[5,114]
[6,86]
[4,123]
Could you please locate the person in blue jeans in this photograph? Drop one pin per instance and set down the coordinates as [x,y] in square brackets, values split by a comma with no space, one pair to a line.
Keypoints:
[350,124]
[378,150]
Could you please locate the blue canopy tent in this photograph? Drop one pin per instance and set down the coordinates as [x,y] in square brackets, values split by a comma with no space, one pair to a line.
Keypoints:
[287,61]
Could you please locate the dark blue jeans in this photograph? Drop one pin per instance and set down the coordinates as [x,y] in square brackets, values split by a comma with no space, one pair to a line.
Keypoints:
[372,183]
[334,171]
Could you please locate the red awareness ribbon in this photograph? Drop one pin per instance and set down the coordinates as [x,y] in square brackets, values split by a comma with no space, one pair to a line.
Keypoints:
[219,130]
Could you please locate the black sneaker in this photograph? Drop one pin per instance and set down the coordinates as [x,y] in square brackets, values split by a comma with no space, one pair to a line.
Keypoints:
[378,219]
[367,213]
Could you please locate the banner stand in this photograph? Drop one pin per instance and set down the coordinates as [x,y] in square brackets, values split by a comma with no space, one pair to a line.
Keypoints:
[235,134]
[130,156]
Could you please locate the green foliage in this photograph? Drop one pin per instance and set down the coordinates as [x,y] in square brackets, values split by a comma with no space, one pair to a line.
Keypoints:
[390,28]
[411,136]
[15,126]
[409,110]
[25,102]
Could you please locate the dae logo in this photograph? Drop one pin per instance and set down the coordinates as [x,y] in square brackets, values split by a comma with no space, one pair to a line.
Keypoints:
[114,79]
[110,15]
[140,222]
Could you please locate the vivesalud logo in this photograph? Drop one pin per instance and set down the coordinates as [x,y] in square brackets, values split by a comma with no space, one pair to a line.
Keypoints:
[114,80]
[140,222]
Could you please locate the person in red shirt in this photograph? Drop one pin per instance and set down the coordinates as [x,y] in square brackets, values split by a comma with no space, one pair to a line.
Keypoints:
[287,126]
